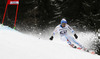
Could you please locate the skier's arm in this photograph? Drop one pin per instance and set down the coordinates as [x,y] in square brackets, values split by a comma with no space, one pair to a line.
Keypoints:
[72,31]
[54,32]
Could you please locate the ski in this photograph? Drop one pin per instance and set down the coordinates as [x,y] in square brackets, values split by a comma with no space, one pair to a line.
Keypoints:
[83,49]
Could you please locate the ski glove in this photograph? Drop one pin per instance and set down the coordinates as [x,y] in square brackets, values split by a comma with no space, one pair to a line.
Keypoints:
[75,36]
[51,38]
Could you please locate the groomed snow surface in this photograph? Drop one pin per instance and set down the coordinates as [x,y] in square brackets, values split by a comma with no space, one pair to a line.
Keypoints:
[16,45]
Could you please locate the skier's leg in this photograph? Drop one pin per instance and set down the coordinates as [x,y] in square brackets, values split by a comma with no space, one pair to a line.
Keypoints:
[69,42]
[74,41]
[77,43]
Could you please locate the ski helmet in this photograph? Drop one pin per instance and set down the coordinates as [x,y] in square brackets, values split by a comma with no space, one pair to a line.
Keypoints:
[63,21]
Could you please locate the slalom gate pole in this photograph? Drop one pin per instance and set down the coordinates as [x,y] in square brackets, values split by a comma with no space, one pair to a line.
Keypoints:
[16,16]
[11,2]
[4,13]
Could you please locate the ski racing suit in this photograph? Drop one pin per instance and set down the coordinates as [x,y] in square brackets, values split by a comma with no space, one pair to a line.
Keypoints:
[64,35]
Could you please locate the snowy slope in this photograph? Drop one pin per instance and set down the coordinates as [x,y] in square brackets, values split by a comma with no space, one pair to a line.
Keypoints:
[16,45]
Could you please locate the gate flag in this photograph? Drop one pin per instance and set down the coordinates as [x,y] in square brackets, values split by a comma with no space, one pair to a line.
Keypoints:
[11,2]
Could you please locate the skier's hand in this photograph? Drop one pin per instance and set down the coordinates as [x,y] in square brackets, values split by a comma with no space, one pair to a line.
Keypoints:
[51,38]
[75,36]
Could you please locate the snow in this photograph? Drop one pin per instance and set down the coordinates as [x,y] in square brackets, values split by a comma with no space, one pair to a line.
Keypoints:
[16,45]
[99,34]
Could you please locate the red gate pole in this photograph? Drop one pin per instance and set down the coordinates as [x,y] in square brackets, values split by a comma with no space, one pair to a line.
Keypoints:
[16,16]
[4,13]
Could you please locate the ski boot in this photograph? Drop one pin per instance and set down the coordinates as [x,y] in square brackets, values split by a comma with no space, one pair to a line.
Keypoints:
[79,48]
[72,45]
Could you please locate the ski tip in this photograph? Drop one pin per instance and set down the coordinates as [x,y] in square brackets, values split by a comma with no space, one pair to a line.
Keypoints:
[92,52]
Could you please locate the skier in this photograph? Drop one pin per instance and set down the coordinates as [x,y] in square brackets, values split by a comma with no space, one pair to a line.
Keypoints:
[62,30]
[98,33]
